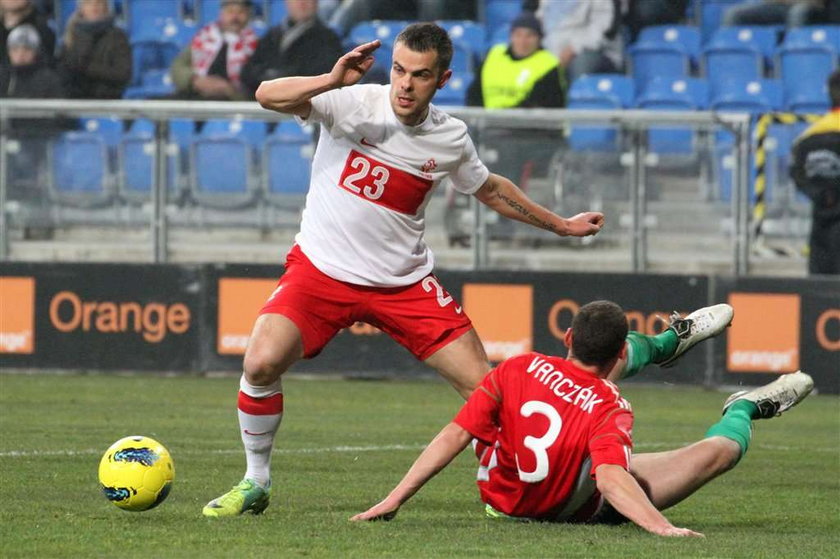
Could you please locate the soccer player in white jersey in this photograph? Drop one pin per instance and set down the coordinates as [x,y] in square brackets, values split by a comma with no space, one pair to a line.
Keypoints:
[558,438]
[360,254]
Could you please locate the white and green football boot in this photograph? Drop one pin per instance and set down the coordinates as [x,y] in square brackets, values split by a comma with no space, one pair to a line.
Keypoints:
[247,496]
[698,326]
[777,397]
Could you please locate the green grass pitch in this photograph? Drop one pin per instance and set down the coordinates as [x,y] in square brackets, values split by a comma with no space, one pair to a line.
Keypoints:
[343,445]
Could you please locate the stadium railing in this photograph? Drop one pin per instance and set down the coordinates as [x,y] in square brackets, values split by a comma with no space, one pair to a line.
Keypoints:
[540,133]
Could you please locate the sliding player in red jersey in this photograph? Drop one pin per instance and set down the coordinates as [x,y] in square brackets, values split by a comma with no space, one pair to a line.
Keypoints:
[558,438]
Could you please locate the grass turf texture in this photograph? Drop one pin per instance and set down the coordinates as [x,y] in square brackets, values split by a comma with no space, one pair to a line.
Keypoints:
[783,499]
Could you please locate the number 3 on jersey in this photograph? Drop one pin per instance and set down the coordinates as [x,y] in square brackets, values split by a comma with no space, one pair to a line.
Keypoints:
[538,445]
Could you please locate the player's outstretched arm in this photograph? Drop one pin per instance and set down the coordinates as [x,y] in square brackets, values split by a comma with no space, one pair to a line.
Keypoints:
[292,94]
[440,452]
[623,492]
[506,198]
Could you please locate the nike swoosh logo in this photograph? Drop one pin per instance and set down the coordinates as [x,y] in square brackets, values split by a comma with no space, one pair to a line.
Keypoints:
[247,432]
[364,142]
[458,310]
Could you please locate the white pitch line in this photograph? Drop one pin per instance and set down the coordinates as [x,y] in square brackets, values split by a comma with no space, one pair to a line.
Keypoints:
[324,450]
[321,450]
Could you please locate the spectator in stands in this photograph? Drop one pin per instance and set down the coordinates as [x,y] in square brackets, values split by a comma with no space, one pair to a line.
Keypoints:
[211,65]
[520,74]
[816,171]
[792,13]
[22,12]
[95,61]
[644,13]
[299,46]
[582,34]
[27,76]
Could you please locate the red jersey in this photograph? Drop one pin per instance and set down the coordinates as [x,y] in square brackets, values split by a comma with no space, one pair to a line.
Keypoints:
[549,425]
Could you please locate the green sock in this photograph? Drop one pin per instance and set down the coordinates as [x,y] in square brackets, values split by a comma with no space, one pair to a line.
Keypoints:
[736,424]
[643,350]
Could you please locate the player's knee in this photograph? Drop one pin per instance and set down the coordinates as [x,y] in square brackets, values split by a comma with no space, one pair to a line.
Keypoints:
[261,370]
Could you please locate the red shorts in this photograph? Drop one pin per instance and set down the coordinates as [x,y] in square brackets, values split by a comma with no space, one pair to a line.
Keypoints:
[422,317]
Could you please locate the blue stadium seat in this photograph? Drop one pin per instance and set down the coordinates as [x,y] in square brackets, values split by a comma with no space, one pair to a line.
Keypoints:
[179,32]
[463,60]
[137,163]
[224,156]
[761,38]
[740,52]
[208,11]
[151,55]
[673,94]
[598,91]
[711,15]
[384,30]
[276,11]
[454,93]
[182,132]
[64,9]
[825,36]
[682,38]
[499,13]
[805,68]
[613,90]
[752,96]
[109,129]
[253,132]
[468,41]
[79,169]
[157,84]
[679,94]
[287,160]
[143,15]
[648,61]
[468,34]
[154,84]
[221,171]
[498,35]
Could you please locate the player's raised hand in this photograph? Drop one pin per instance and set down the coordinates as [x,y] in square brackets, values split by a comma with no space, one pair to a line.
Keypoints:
[352,66]
[380,511]
[585,224]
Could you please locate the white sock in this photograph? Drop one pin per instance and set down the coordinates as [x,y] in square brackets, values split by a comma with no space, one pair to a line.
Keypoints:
[260,412]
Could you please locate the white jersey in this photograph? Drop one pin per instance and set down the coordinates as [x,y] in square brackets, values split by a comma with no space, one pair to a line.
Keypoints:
[372,177]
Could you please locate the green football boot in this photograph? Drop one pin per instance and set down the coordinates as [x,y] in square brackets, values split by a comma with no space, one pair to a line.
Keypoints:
[248,496]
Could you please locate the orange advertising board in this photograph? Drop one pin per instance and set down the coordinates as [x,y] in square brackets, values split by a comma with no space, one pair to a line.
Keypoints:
[17,314]
[240,300]
[764,336]
[503,317]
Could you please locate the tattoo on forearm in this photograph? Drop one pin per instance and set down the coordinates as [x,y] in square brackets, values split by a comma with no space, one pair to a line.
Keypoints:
[519,208]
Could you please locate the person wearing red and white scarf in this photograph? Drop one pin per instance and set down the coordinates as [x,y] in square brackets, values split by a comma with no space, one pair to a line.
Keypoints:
[210,66]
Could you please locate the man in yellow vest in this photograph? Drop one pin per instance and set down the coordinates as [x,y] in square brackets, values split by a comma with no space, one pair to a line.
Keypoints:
[520,74]
[816,171]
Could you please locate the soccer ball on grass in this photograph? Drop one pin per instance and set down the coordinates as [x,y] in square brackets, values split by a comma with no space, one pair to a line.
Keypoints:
[136,473]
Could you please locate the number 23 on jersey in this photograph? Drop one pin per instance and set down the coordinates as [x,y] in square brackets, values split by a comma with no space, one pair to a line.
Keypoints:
[382,184]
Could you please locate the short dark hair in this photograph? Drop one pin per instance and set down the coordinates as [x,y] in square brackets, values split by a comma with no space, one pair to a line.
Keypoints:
[423,37]
[834,88]
[599,330]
